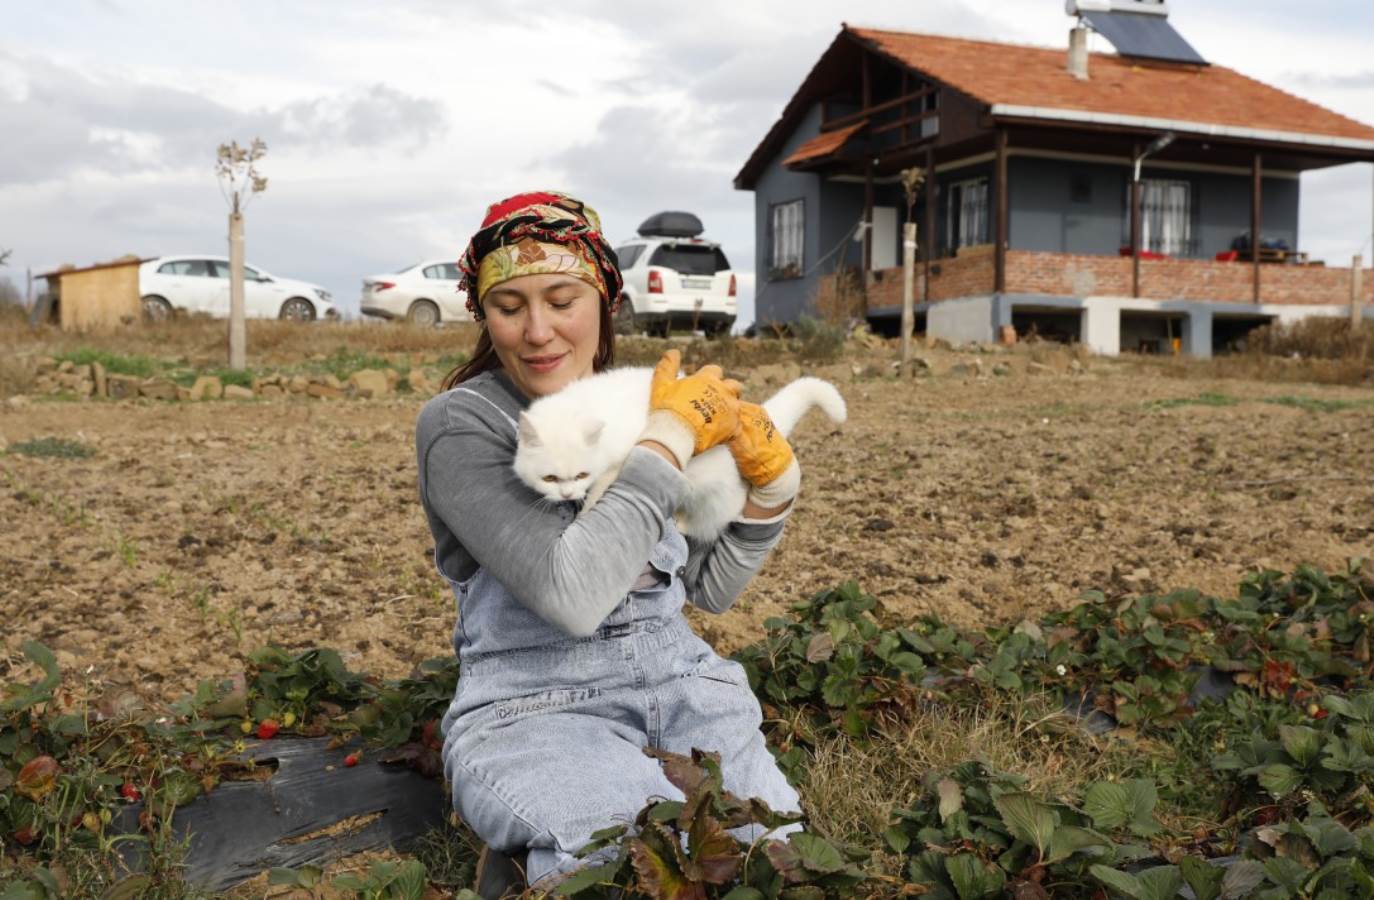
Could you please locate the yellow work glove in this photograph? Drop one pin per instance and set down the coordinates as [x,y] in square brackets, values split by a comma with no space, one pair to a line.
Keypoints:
[692,414]
[764,458]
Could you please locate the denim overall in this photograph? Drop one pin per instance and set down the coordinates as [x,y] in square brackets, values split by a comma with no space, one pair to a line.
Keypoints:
[543,739]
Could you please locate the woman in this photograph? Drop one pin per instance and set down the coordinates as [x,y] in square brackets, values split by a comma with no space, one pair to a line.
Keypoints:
[575,653]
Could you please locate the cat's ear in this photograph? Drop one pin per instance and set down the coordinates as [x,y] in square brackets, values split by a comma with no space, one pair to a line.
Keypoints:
[528,435]
[591,432]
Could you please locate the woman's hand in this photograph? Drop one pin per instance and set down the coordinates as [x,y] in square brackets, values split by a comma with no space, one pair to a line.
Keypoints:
[692,414]
[765,460]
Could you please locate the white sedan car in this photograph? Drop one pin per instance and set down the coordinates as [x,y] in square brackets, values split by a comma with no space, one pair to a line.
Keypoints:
[424,294]
[200,284]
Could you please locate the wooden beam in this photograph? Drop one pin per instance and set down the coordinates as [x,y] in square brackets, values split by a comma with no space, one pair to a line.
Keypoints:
[1135,227]
[906,86]
[866,82]
[1255,216]
[902,123]
[1337,155]
[1000,249]
[868,220]
[928,244]
[871,109]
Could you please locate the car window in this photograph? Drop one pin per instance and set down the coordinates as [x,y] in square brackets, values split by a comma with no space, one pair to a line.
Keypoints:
[217,269]
[690,259]
[630,255]
[451,271]
[184,267]
[250,272]
[434,271]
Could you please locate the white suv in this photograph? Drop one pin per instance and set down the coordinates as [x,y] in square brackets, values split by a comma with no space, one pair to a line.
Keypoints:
[674,278]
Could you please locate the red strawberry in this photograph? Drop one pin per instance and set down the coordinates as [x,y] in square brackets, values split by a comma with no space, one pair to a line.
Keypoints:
[25,835]
[267,729]
[351,760]
[129,792]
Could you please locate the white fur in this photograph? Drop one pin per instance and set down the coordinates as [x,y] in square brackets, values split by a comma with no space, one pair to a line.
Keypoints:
[588,428]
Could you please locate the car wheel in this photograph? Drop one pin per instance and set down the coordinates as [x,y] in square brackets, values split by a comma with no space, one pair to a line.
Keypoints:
[423,313]
[625,318]
[298,309]
[156,309]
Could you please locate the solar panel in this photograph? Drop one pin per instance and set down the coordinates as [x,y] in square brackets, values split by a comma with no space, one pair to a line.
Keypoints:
[1142,34]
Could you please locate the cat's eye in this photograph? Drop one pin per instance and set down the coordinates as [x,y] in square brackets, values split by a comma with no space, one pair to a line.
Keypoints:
[581,475]
[550,479]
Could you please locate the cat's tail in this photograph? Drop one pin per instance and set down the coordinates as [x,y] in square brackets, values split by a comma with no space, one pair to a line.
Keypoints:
[788,405]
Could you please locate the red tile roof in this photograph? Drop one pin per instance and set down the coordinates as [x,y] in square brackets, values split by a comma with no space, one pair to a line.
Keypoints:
[824,144]
[1018,75]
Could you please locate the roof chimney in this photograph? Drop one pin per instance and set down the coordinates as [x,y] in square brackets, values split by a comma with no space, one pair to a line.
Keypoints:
[1078,52]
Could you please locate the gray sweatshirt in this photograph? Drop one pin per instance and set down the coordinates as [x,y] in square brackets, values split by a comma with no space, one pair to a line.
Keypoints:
[570,572]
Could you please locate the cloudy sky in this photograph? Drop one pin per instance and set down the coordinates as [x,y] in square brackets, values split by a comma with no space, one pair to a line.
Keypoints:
[391,126]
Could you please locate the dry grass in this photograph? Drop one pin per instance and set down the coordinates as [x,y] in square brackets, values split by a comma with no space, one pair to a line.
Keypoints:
[203,342]
[1277,369]
[1319,337]
[852,789]
[839,299]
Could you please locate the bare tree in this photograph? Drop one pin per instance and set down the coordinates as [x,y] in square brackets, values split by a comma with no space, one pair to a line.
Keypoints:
[5,257]
[239,182]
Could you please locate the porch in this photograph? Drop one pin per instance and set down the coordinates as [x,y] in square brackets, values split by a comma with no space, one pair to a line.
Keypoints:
[1195,306]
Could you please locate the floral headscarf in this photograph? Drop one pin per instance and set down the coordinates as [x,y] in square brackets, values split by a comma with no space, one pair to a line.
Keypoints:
[538,233]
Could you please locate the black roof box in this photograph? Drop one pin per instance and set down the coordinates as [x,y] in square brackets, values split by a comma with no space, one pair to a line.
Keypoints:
[671,224]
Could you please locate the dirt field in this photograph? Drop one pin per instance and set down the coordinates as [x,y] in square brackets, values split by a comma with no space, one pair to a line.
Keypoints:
[199,531]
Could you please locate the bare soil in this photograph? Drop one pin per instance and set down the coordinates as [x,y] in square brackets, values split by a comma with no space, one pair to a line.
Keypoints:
[200,531]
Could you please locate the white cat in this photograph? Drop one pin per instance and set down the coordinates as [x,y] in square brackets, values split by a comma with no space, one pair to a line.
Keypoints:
[573,443]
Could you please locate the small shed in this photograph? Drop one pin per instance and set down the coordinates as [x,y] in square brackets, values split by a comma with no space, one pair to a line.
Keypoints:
[104,295]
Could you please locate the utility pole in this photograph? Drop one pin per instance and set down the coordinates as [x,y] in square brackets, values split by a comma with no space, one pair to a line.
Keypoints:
[236,168]
[911,183]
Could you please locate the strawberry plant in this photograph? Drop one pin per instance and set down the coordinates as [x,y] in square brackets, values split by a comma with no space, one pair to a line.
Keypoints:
[977,833]
[834,661]
[684,849]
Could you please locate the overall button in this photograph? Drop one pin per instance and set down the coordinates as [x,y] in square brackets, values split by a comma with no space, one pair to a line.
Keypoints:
[681,571]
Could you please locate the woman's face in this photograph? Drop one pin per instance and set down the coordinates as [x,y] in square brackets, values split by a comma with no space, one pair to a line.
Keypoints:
[544,329]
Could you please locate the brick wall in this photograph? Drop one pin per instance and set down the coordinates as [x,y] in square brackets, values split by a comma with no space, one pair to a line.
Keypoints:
[968,274]
[1070,275]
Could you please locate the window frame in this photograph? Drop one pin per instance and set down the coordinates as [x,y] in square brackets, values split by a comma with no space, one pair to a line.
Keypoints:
[956,228]
[1180,245]
[794,265]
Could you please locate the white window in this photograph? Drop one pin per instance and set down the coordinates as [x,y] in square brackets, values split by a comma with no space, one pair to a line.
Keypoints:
[788,228]
[967,215]
[1166,216]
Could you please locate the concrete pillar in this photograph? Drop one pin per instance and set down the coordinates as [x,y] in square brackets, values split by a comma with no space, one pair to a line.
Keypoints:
[1102,327]
[1197,333]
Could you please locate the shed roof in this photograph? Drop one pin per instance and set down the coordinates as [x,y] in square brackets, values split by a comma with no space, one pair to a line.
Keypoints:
[112,264]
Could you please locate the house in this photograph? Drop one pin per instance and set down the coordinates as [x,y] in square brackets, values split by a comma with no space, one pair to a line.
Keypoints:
[1109,198]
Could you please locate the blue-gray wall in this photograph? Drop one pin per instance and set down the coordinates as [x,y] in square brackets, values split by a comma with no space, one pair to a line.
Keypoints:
[784,300]
[1045,216]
